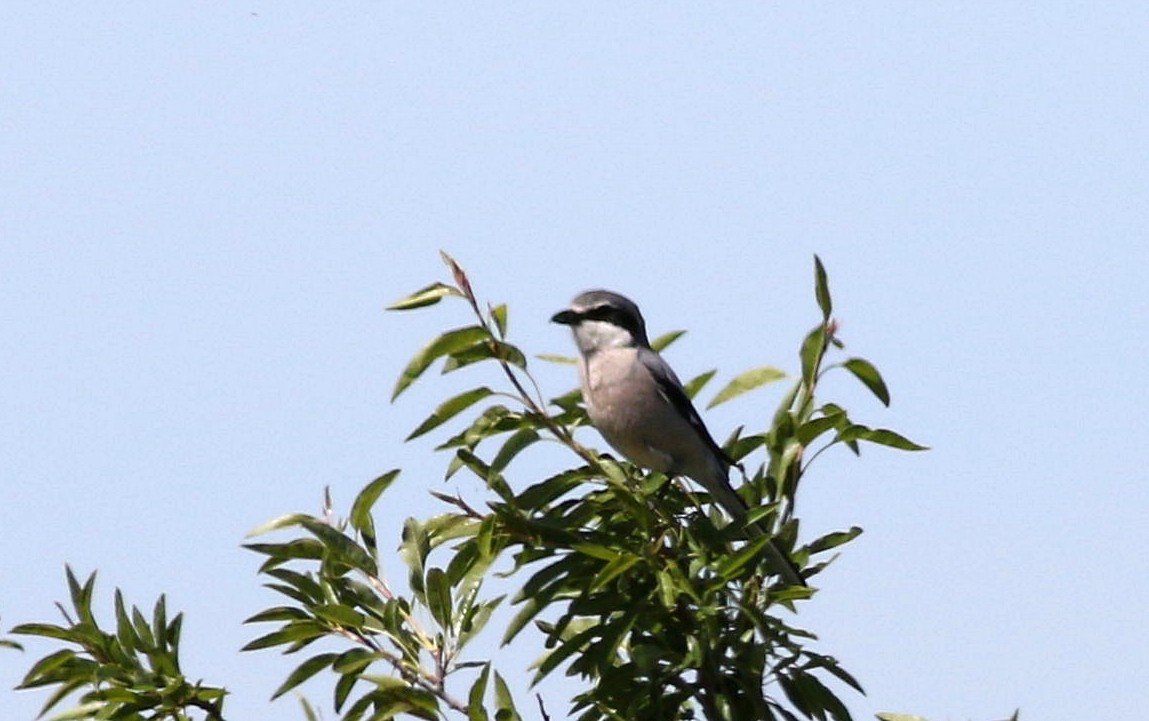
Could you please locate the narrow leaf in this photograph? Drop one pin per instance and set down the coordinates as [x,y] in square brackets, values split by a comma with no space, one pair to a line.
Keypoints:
[833,540]
[450,342]
[475,710]
[365,501]
[813,346]
[822,289]
[293,519]
[439,597]
[499,315]
[304,671]
[884,437]
[746,382]
[865,371]
[696,384]
[663,341]
[518,441]
[429,295]
[504,703]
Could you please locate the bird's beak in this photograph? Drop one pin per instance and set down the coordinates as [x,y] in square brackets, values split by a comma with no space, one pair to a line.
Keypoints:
[566,317]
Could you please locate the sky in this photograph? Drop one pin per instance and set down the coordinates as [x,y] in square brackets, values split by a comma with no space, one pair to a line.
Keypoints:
[206,207]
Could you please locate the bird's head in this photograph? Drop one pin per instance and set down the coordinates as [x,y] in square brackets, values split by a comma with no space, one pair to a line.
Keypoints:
[603,319]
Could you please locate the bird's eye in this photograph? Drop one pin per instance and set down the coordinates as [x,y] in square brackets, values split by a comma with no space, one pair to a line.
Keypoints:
[603,312]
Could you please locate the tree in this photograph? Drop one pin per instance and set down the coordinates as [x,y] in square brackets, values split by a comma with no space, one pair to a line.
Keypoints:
[633,581]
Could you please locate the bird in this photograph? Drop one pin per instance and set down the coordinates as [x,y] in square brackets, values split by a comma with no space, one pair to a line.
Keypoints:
[636,402]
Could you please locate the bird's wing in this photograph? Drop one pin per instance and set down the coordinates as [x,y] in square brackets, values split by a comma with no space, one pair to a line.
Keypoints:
[671,389]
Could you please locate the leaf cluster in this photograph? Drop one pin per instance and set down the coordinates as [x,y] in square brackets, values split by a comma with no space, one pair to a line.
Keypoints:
[127,673]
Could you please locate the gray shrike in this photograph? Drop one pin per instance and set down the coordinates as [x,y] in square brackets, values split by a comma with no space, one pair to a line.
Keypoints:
[639,406]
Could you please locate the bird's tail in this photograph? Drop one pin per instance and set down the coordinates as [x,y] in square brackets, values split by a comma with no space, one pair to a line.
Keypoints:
[725,496]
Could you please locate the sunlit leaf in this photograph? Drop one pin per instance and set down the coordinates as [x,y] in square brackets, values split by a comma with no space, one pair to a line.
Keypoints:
[552,358]
[663,341]
[696,384]
[490,350]
[499,315]
[745,382]
[424,296]
[453,341]
[292,519]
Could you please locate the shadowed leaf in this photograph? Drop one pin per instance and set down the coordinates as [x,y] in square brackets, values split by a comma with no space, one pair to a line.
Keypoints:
[822,289]
[449,409]
[865,371]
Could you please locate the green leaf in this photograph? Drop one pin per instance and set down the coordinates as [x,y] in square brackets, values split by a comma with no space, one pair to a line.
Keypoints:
[83,711]
[296,548]
[293,633]
[429,295]
[553,358]
[822,289]
[343,549]
[278,613]
[746,382]
[475,710]
[545,491]
[475,621]
[46,630]
[340,615]
[449,409]
[881,436]
[343,688]
[612,570]
[809,431]
[439,597]
[504,703]
[499,315]
[47,665]
[595,551]
[696,384]
[414,547]
[813,346]
[491,350]
[453,341]
[663,341]
[309,711]
[518,441]
[899,717]
[81,595]
[361,509]
[833,540]
[304,671]
[865,371]
[292,519]
[731,565]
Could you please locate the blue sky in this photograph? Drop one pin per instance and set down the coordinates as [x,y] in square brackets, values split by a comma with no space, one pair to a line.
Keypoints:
[204,208]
